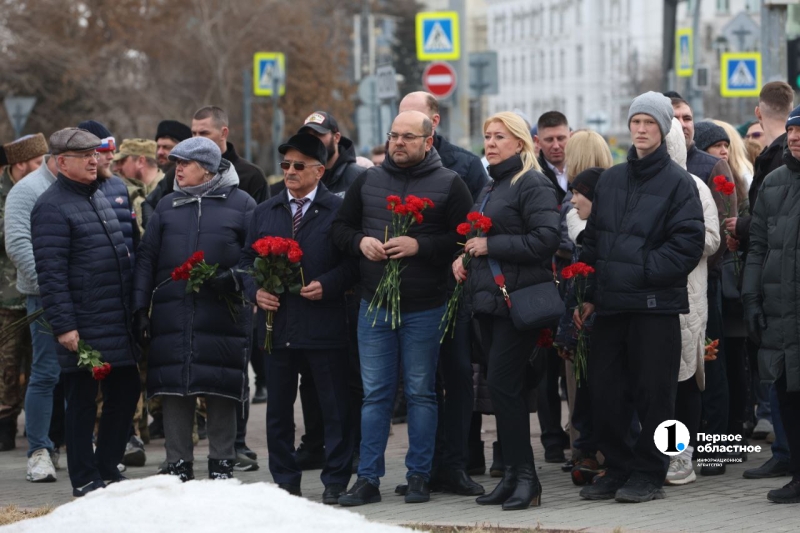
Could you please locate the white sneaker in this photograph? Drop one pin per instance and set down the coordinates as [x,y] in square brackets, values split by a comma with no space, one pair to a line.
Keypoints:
[40,467]
[680,471]
[762,429]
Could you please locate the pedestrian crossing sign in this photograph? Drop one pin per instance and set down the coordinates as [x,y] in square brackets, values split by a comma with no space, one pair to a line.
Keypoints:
[267,67]
[740,74]
[684,53]
[438,36]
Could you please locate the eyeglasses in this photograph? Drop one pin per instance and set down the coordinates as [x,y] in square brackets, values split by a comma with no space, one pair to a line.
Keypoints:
[407,137]
[298,165]
[85,157]
[754,135]
[183,163]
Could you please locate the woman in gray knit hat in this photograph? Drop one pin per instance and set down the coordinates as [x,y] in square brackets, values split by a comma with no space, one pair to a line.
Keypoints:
[197,346]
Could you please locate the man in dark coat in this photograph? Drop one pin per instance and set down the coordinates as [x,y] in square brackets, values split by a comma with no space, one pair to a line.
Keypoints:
[310,328]
[84,272]
[644,236]
[770,294]
[412,167]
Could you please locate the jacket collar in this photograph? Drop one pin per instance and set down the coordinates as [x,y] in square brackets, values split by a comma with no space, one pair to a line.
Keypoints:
[506,169]
[82,189]
[650,165]
[323,198]
[791,162]
[431,162]
[230,154]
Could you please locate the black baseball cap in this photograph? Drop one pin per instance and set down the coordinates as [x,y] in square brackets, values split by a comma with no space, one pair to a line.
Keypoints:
[321,122]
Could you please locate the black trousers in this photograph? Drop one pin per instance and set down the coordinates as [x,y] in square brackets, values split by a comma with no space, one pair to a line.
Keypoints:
[548,398]
[715,395]
[737,377]
[57,429]
[633,368]
[120,394]
[688,407]
[456,395]
[314,437]
[329,369]
[508,352]
[789,405]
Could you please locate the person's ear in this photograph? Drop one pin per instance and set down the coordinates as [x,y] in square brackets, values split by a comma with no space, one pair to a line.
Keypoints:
[225,132]
[758,113]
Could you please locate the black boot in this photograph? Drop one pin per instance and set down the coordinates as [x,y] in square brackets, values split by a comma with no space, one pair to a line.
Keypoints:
[183,469]
[476,464]
[502,491]
[496,470]
[220,468]
[528,492]
[790,493]
[8,433]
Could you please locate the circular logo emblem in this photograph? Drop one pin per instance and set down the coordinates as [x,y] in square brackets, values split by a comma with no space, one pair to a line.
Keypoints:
[671,437]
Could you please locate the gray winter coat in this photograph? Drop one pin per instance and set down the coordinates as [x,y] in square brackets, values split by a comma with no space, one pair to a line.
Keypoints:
[772,271]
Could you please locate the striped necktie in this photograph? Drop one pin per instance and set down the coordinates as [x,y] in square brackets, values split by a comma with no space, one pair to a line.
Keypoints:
[298,214]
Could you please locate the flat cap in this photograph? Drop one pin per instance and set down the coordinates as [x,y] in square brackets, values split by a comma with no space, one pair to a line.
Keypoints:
[25,148]
[200,149]
[136,148]
[73,140]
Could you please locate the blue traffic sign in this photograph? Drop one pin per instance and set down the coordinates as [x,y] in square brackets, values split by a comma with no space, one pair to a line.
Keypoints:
[740,74]
[269,67]
[437,36]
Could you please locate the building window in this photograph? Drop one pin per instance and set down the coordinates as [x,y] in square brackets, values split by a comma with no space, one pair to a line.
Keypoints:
[505,71]
[723,7]
[522,62]
[552,65]
[579,111]
[513,70]
[753,6]
[579,60]
[578,12]
[562,60]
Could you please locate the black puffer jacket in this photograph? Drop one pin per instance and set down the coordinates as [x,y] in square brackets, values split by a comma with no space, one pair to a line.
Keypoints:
[116,192]
[645,234]
[771,272]
[364,214]
[462,162]
[197,347]
[770,159]
[523,238]
[84,271]
[301,323]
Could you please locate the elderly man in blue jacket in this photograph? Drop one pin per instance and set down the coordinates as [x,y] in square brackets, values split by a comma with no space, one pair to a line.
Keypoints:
[310,328]
[84,271]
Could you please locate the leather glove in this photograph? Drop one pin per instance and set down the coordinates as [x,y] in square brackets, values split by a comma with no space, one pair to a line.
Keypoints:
[224,282]
[756,322]
[141,326]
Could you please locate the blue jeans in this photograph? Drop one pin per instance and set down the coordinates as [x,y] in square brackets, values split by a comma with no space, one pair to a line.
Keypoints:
[415,347]
[45,372]
[780,447]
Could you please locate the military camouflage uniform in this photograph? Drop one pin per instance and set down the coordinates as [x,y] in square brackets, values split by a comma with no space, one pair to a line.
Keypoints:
[138,192]
[15,355]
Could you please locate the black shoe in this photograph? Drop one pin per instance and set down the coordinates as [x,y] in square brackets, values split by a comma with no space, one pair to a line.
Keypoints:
[294,490]
[527,493]
[183,469]
[554,454]
[773,468]
[457,482]
[638,489]
[567,466]
[260,395]
[355,463]
[502,491]
[713,470]
[244,464]
[401,489]
[79,492]
[8,433]
[247,452]
[476,463]
[603,487]
[309,459]
[418,491]
[202,430]
[361,493]
[134,452]
[497,468]
[156,427]
[220,468]
[790,493]
[332,493]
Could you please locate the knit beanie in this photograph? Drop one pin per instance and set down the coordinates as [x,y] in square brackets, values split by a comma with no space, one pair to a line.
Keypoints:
[586,182]
[657,106]
[707,134]
[95,127]
[794,118]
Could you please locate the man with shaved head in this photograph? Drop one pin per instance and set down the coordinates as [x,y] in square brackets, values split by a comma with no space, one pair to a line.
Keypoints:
[412,167]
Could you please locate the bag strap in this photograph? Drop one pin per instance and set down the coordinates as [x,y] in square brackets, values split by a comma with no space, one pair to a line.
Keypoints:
[499,278]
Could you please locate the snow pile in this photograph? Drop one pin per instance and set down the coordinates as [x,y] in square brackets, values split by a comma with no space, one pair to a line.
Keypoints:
[162,504]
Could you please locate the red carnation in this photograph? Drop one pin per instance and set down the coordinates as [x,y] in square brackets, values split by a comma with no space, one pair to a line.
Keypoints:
[418,217]
[474,216]
[427,202]
[401,210]
[464,228]
[393,199]
[484,224]
[414,203]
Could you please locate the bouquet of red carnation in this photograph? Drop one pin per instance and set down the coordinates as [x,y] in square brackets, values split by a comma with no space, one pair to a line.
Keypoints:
[579,271]
[545,339]
[276,270]
[726,189]
[195,271]
[91,359]
[388,291]
[477,225]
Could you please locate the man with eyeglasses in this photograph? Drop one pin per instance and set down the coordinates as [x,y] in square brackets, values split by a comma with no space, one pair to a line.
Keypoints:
[310,328]
[412,167]
[84,271]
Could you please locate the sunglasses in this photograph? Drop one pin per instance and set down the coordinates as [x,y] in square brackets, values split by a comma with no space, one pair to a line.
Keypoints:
[754,135]
[298,165]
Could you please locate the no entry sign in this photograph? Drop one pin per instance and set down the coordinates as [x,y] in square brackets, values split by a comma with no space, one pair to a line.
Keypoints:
[439,79]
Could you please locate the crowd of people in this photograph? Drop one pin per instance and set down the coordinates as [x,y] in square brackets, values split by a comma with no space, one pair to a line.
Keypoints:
[659,289]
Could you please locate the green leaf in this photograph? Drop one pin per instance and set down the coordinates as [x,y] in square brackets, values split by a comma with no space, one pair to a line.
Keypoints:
[294,288]
[278,289]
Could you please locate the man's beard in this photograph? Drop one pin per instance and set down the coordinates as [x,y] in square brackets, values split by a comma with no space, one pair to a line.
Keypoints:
[166,167]
[331,149]
[104,172]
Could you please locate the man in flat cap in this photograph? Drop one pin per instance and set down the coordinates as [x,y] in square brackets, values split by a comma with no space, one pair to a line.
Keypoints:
[23,157]
[45,371]
[84,271]
[168,134]
[310,328]
[137,163]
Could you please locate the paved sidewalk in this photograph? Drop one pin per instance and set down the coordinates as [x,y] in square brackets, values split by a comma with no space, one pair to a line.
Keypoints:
[726,503]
